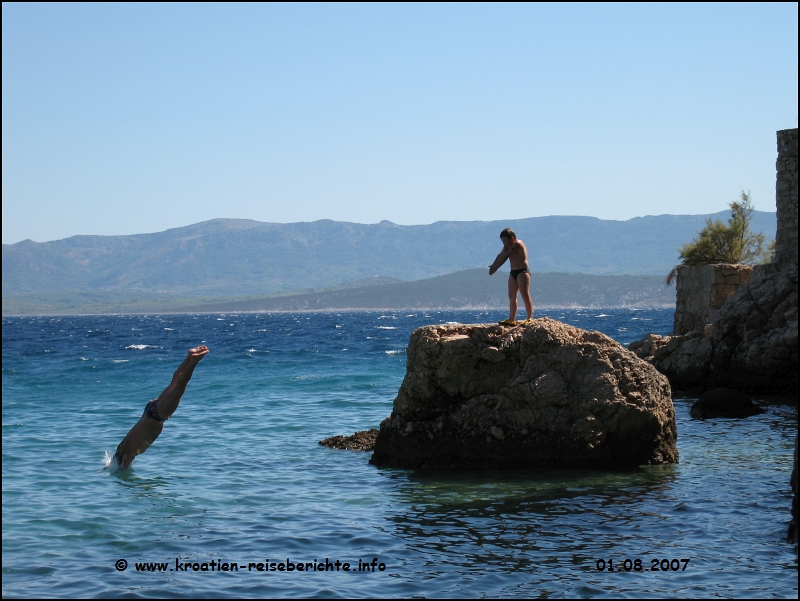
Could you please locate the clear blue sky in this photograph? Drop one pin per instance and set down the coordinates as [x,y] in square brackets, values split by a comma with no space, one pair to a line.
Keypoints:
[122,119]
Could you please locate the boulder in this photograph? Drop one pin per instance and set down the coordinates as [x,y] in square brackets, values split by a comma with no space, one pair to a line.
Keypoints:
[685,360]
[724,402]
[546,394]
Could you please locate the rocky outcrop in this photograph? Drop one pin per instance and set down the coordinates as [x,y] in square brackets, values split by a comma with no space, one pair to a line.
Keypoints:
[685,360]
[755,337]
[752,346]
[546,394]
[724,402]
[751,341]
[360,441]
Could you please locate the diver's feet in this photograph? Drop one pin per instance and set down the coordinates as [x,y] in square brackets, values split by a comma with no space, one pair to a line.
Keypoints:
[195,354]
[508,322]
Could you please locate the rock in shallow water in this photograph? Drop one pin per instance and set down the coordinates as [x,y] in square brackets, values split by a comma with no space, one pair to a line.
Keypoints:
[724,402]
[547,394]
[360,441]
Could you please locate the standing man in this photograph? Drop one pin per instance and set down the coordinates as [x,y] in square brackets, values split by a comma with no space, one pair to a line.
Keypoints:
[520,278]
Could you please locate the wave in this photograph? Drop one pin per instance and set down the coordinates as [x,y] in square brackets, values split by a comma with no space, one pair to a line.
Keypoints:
[141,347]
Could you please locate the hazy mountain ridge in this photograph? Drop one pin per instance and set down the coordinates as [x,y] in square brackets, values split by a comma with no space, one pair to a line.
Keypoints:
[226,257]
[463,289]
[471,288]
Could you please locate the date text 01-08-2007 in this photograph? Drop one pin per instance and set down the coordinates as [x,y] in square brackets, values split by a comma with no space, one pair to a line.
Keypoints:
[635,565]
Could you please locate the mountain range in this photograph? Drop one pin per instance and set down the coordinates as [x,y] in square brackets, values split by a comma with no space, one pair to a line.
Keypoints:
[233,257]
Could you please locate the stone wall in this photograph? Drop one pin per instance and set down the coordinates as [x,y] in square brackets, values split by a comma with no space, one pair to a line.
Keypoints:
[702,290]
[786,197]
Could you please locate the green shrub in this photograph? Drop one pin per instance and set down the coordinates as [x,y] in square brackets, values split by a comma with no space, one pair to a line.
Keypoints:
[731,243]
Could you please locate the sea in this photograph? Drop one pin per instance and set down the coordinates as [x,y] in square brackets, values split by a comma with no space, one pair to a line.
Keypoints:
[237,498]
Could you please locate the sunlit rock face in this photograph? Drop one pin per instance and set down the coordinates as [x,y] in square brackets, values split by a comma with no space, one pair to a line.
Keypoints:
[546,394]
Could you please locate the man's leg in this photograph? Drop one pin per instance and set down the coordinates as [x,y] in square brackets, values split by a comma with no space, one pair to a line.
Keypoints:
[524,283]
[512,298]
[169,399]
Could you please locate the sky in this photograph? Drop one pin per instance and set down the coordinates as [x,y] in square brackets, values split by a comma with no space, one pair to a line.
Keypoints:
[133,118]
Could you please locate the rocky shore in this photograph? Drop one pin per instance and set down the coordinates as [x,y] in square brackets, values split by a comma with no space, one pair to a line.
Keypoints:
[546,394]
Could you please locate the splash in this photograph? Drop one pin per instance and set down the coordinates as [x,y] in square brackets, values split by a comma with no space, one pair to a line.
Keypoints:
[110,462]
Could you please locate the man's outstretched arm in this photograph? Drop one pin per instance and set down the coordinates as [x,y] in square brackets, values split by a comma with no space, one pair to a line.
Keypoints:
[501,258]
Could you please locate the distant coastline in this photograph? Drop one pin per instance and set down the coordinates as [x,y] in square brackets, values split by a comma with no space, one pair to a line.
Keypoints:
[468,289]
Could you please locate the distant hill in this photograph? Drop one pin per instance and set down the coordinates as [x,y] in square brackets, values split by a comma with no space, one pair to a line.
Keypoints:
[471,288]
[463,289]
[232,257]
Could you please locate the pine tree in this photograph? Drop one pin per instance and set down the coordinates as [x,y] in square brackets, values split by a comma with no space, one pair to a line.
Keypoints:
[720,243]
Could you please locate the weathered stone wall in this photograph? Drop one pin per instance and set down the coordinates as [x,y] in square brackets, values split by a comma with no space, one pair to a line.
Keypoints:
[702,290]
[786,197]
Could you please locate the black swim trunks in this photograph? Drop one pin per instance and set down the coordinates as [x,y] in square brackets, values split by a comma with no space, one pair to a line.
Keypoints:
[151,410]
[516,272]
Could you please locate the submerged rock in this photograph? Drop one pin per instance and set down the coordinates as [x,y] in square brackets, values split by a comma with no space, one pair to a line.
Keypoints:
[547,394]
[724,402]
[360,441]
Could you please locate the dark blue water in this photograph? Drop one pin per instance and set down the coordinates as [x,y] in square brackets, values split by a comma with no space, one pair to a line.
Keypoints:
[238,476]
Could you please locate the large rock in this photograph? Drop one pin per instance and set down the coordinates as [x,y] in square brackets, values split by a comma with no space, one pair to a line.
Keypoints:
[755,335]
[548,394]
[685,360]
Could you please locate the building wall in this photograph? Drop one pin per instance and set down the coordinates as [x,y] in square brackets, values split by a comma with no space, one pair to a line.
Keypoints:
[786,198]
[702,290]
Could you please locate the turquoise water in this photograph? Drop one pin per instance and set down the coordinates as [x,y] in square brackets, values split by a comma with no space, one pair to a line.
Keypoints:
[238,476]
